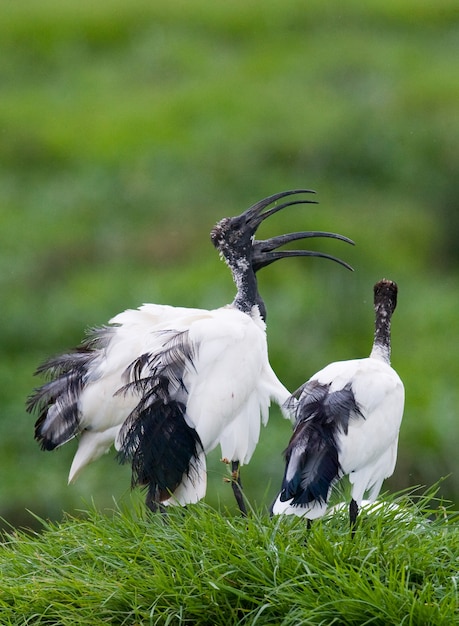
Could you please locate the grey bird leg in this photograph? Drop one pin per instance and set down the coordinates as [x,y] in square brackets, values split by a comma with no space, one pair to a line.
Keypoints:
[237,487]
[154,506]
[353,512]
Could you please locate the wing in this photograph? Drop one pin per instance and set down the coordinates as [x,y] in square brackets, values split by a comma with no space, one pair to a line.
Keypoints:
[313,453]
[230,396]
[82,394]
[157,438]
[368,447]
[217,377]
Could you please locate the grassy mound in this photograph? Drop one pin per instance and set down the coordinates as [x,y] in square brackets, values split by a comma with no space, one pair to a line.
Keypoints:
[201,566]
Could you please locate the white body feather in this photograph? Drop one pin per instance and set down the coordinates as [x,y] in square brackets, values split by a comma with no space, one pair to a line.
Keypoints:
[229,384]
[368,452]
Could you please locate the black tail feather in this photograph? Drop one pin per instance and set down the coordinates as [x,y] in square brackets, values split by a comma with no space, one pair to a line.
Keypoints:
[312,456]
[57,405]
[56,402]
[314,470]
[156,437]
[159,443]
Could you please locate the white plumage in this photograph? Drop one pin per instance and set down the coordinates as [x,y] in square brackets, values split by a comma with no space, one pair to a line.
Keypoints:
[168,384]
[348,418]
[227,386]
[102,408]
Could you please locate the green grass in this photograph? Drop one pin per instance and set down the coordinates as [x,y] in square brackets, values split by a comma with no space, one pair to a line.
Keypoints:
[199,566]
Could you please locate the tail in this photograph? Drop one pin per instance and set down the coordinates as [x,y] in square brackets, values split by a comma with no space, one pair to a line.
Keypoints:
[312,466]
[57,401]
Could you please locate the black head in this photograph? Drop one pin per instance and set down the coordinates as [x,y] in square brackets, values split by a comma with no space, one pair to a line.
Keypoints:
[234,235]
[385,295]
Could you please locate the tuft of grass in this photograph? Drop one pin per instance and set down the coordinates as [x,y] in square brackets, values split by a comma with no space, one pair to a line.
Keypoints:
[201,564]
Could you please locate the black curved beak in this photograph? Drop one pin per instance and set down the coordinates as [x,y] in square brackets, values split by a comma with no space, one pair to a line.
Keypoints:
[265,252]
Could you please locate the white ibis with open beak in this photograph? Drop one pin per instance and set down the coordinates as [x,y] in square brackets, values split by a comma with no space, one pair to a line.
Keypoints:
[168,384]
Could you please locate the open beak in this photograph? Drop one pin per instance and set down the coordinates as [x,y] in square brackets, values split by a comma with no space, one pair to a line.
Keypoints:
[265,252]
[240,231]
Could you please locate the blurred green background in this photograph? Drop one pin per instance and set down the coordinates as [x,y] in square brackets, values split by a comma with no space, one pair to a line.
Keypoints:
[127,129]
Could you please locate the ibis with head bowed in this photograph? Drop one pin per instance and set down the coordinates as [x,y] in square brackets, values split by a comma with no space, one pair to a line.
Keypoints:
[168,384]
[347,422]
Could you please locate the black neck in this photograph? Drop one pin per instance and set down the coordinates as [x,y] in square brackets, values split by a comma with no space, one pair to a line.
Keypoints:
[247,295]
[381,343]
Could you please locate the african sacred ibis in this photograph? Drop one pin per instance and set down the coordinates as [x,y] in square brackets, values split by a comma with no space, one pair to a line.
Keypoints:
[348,418]
[168,384]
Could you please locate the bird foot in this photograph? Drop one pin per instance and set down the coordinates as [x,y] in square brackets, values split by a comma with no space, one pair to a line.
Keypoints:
[155,507]
[235,475]
[236,485]
[225,478]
